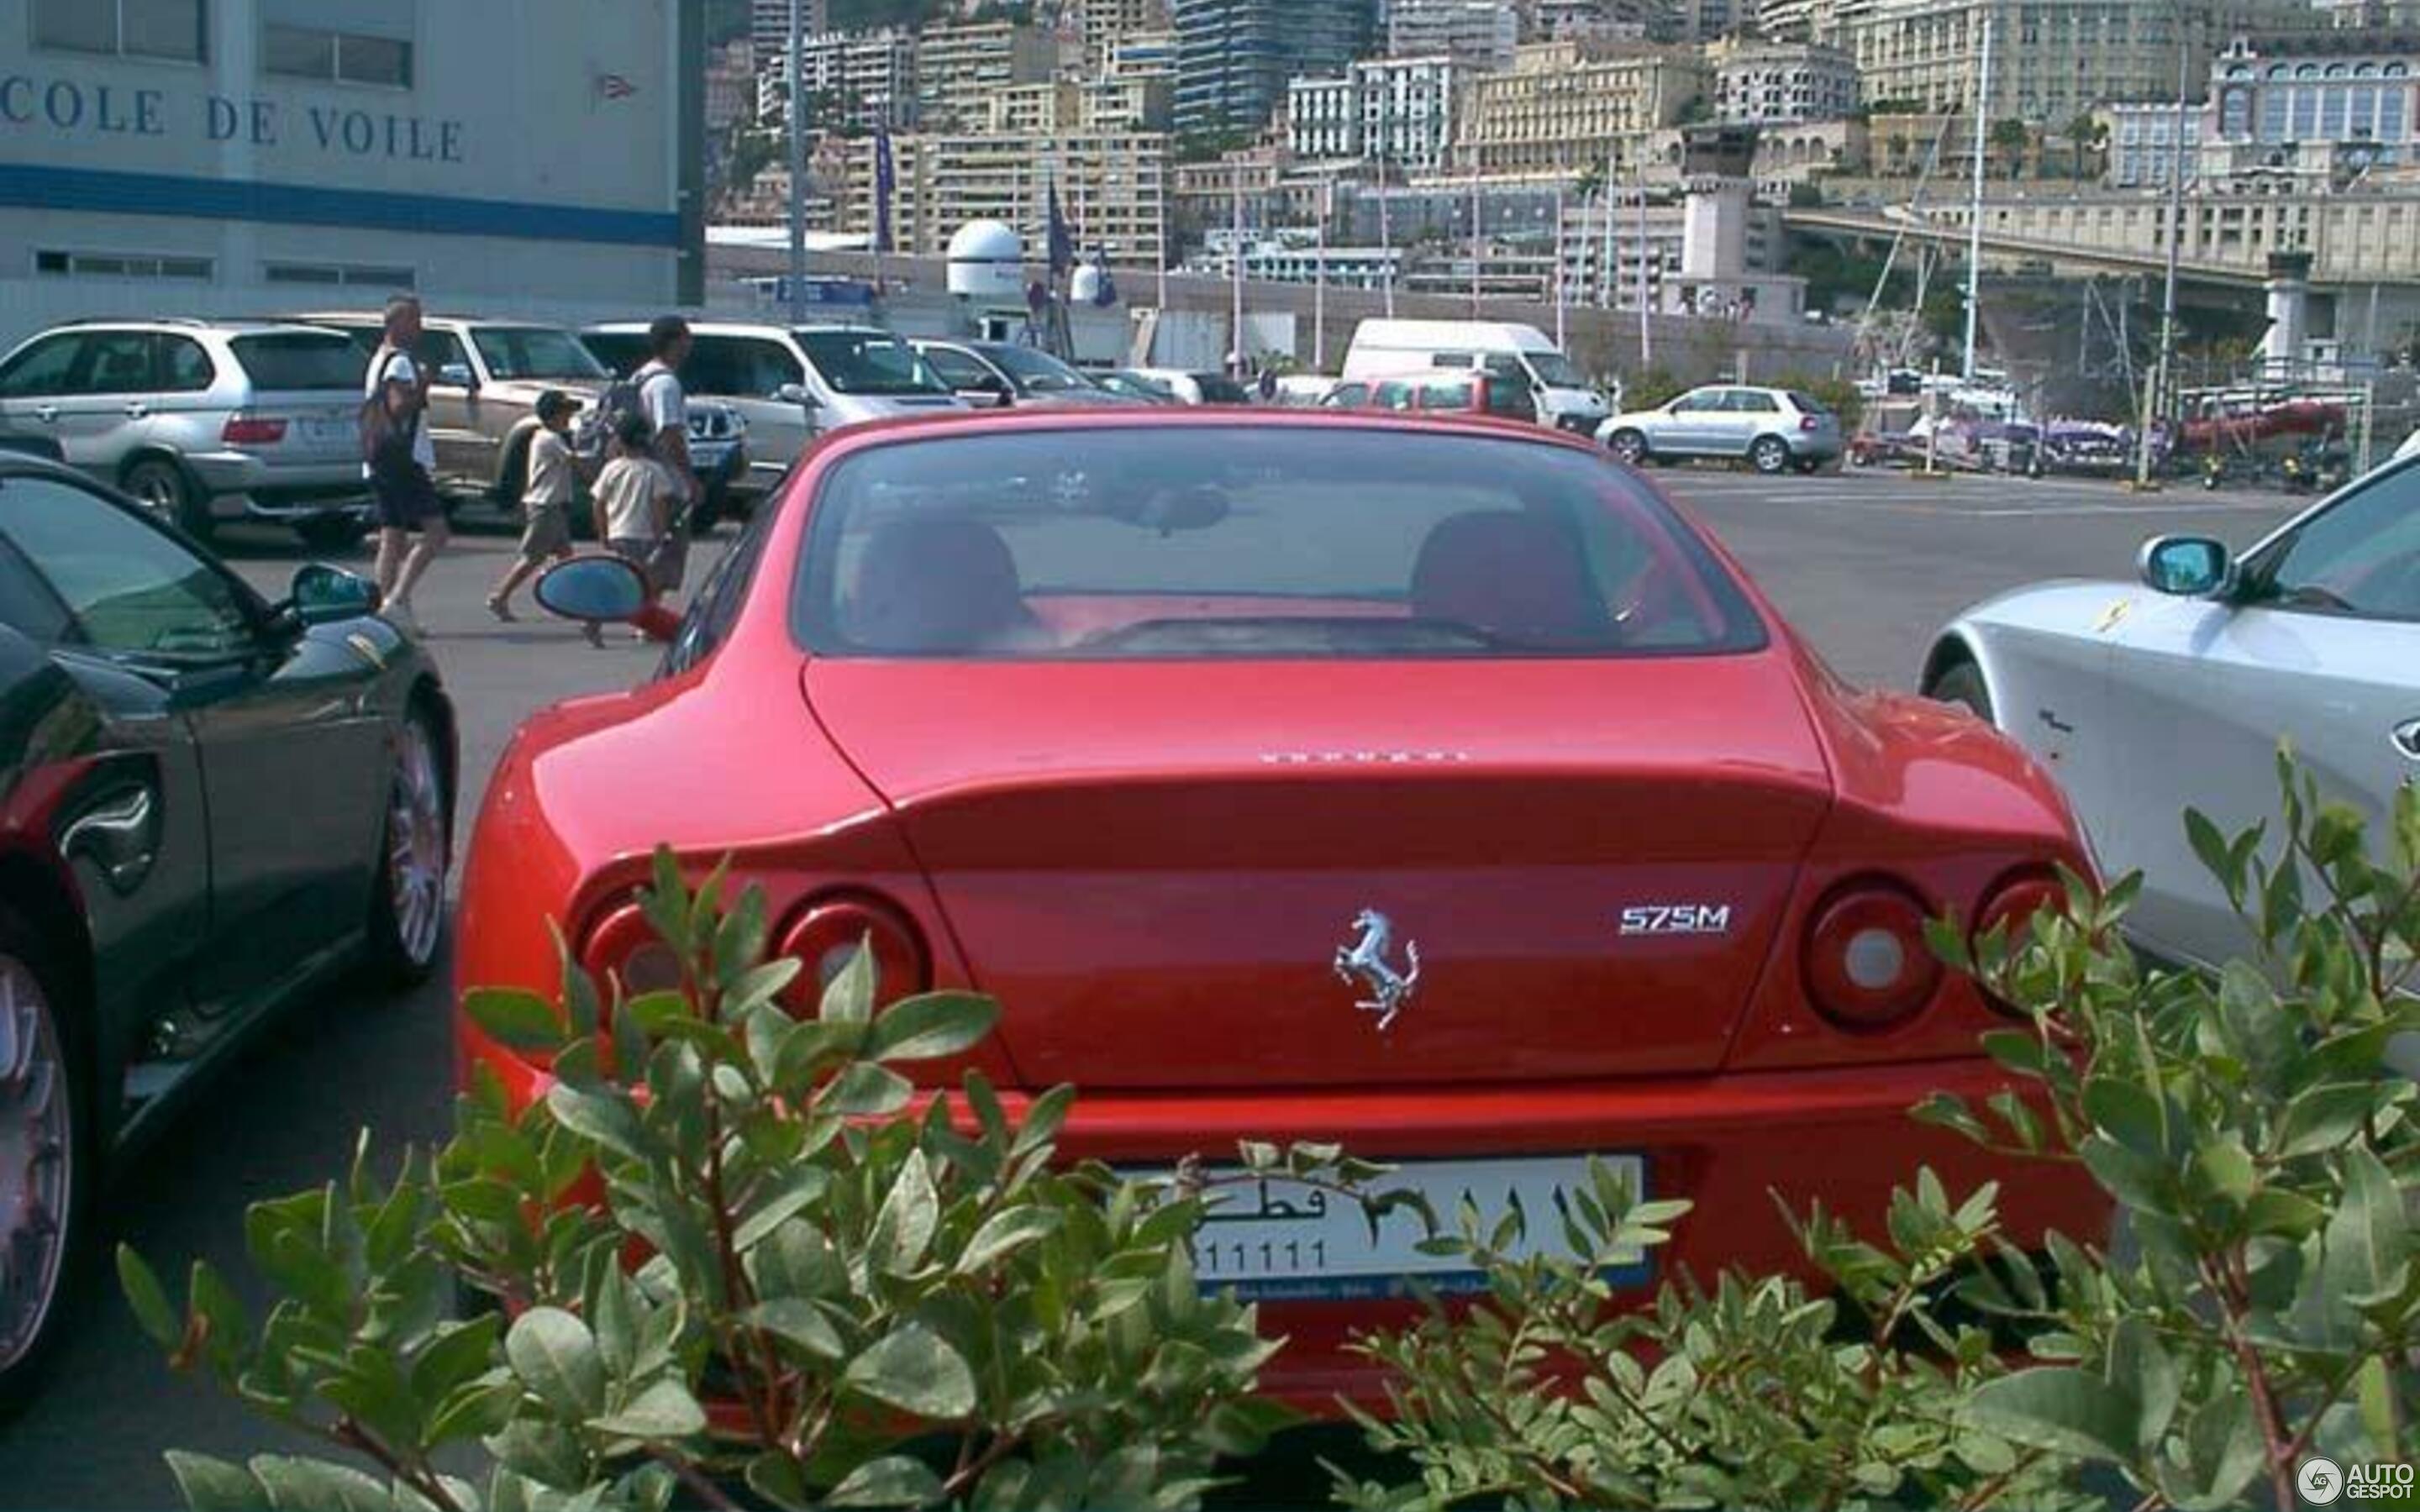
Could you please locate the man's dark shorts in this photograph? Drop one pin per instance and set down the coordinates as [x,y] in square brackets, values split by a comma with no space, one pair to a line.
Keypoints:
[405,496]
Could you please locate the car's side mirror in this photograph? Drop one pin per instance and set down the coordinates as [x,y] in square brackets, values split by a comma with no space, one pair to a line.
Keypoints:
[2187,566]
[594,590]
[321,595]
[796,393]
[458,375]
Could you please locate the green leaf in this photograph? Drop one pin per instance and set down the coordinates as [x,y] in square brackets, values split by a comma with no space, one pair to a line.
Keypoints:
[867,1091]
[916,1371]
[458,1353]
[2142,1368]
[2128,1112]
[1003,1234]
[931,1026]
[2210,848]
[904,1224]
[148,1299]
[2061,1409]
[211,1484]
[799,1322]
[849,998]
[556,1358]
[315,1485]
[801,1189]
[515,1019]
[2370,1237]
[2322,1119]
[664,1410]
[893,1480]
[602,1118]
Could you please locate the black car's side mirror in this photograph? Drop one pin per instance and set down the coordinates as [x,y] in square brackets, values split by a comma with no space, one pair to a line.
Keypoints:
[320,594]
[604,589]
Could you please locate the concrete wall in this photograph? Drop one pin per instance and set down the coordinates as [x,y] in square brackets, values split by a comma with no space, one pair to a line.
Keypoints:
[1600,341]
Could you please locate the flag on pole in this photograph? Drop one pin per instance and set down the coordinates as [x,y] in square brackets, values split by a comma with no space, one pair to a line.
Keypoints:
[1062,240]
[885,182]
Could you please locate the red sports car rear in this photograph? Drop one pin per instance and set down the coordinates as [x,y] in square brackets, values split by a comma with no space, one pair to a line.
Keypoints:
[1429,787]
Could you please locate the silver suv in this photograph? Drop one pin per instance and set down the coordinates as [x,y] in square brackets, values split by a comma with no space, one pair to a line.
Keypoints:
[483,405]
[1772,430]
[205,420]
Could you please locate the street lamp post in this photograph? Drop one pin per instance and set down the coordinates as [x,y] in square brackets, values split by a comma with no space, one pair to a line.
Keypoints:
[2156,399]
[798,170]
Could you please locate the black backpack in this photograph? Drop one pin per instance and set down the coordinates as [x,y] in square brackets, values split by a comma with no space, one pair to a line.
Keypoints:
[603,420]
[381,432]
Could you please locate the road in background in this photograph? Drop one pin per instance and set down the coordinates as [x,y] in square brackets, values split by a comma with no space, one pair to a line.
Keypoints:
[1867,565]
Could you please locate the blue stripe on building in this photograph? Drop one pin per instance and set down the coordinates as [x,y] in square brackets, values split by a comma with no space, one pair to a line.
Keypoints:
[32,186]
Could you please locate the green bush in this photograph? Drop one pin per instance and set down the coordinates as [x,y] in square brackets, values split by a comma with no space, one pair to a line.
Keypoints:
[2258,1149]
[891,1307]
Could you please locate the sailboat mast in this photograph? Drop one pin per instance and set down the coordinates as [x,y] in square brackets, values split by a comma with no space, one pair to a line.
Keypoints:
[1974,228]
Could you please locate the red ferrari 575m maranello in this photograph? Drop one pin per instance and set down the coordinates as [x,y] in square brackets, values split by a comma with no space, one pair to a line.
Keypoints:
[1426,785]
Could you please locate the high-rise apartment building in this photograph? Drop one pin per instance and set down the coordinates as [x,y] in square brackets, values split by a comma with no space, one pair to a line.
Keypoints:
[1105,23]
[768,23]
[1479,34]
[1111,189]
[1398,111]
[960,68]
[856,81]
[1234,57]
[2053,59]
[1765,83]
[1567,106]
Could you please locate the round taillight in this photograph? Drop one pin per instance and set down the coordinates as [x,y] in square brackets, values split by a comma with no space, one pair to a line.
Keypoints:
[830,930]
[625,947]
[2012,906]
[1867,966]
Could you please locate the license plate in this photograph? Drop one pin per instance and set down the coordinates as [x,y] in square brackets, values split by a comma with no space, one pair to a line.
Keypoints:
[1280,1240]
[325,430]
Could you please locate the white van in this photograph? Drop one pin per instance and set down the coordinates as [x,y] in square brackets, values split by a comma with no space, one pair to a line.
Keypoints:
[793,384]
[1390,349]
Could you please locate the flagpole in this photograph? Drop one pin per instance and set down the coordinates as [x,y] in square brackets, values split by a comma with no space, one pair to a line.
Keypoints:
[1474,244]
[1235,256]
[1386,237]
[1609,276]
[1319,288]
[798,169]
[1559,343]
[1646,326]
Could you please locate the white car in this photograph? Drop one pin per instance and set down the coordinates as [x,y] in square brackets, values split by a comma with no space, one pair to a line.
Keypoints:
[2410,447]
[1773,430]
[2172,692]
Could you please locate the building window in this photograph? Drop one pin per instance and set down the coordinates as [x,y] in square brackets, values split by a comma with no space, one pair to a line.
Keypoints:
[333,275]
[121,265]
[345,58]
[170,29]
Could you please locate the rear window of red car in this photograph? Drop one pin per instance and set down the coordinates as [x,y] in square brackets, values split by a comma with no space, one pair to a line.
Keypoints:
[1217,542]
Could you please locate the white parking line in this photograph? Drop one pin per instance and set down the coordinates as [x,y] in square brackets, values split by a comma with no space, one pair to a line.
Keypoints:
[2023,511]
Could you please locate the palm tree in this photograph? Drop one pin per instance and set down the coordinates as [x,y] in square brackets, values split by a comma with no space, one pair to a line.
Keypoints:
[2010,138]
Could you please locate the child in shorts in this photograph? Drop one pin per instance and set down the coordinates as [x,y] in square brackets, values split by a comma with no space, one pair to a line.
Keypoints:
[545,502]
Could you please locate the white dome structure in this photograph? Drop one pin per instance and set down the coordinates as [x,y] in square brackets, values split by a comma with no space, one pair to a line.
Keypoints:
[987,261]
[1085,286]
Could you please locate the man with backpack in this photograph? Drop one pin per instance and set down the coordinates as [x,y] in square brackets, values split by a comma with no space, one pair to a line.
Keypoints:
[665,403]
[400,461]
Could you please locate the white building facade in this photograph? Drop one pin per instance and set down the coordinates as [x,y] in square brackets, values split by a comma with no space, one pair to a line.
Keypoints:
[249,156]
[1400,111]
[1480,34]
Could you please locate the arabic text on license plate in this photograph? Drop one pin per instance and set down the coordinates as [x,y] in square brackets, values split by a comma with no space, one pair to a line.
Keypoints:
[324,430]
[1279,1240]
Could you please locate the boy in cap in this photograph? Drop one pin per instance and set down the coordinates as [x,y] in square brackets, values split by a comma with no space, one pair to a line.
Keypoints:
[545,502]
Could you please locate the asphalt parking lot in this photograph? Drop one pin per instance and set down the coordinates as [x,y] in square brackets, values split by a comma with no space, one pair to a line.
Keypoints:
[1867,565]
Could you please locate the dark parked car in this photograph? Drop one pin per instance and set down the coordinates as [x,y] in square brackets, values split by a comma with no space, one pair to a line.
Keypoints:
[210,805]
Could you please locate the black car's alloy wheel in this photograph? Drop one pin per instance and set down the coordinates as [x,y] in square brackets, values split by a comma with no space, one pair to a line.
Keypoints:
[408,908]
[44,1158]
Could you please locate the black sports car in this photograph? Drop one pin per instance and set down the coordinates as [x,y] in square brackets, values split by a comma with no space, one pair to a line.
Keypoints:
[209,805]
